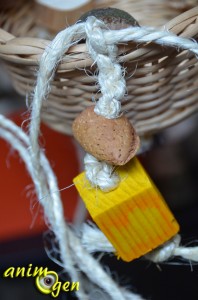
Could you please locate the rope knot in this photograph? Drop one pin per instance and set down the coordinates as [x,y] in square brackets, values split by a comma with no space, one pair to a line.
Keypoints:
[100,174]
[96,40]
[166,251]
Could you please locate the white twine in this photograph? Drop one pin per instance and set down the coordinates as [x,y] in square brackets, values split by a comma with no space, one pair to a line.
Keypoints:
[73,254]
[110,77]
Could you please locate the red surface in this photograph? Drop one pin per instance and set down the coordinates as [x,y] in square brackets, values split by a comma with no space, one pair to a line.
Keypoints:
[20,213]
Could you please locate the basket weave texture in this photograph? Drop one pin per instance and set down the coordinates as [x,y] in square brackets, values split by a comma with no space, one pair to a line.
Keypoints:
[162,82]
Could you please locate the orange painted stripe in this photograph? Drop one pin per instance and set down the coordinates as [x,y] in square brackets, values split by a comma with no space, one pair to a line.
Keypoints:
[171,224]
[119,241]
[149,225]
[142,229]
[156,214]
[134,230]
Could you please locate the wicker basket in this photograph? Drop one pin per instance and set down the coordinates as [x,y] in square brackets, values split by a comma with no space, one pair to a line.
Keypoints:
[161,81]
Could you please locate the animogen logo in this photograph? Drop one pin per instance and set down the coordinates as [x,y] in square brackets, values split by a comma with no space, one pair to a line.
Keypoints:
[47,282]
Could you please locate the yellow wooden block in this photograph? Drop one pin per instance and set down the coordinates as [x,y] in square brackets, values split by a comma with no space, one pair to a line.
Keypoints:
[134,217]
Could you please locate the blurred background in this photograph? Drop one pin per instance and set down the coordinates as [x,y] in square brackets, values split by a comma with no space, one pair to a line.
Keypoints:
[173,165]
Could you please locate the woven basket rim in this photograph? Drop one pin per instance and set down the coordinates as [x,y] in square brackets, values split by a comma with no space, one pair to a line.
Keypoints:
[11,46]
[152,106]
